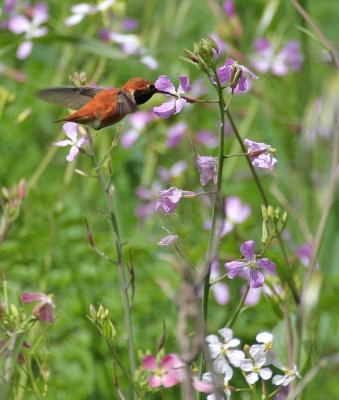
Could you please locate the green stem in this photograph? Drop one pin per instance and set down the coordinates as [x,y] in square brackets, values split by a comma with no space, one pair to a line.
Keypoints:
[238,310]
[237,155]
[290,282]
[120,261]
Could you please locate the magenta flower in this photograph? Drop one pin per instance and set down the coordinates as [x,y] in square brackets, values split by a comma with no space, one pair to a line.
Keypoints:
[230,70]
[129,25]
[71,130]
[249,267]
[167,240]
[261,154]
[229,8]
[44,309]
[167,373]
[175,104]
[236,213]
[266,59]
[207,167]
[208,139]
[170,198]
[19,24]
[175,134]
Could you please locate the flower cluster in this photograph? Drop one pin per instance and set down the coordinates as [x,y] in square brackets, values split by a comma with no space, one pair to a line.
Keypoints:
[254,363]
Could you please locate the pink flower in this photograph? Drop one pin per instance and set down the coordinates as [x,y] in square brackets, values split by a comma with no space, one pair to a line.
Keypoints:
[168,372]
[266,58]
[167,240]
[71,130]
[20,24]
[175,104]
[261,154]
[175,171]
[175,133]
[236,213]
[229,8]
[170,198]
[250,268]
[44,309]
[138,122]
[207,166]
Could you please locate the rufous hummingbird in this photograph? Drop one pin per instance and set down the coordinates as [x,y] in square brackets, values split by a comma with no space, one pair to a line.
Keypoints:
[98,107]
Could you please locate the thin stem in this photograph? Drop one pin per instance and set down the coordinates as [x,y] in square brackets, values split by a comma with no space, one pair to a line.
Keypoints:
[239,308]
[237,155]
[290,282]
[255,176]
[307,18]
[120,260]
[189,262]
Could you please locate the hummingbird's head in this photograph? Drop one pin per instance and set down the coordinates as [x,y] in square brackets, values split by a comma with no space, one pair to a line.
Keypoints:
[141,89]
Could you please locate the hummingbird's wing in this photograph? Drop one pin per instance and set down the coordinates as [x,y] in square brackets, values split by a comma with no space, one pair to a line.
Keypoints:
[125,105]
[70,97]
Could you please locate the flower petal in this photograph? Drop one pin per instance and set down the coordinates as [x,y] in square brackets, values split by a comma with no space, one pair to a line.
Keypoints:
[256,279]
[24,50]
[166,109]
[252,378]
[150,363]
[234,268]
[72,153]
[63,143]
[184,85]
[266,264]
[19,24]
[265,373]
[247,250]
[164,83]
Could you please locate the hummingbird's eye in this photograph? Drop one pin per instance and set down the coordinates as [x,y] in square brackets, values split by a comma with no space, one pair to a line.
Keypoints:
[151,87]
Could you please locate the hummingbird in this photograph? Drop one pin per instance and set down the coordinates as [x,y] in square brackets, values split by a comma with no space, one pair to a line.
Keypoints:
[97,107]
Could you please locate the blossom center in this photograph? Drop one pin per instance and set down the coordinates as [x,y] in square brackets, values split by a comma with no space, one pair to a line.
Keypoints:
[251,264]
[256,369]
[268,346]
[159,372]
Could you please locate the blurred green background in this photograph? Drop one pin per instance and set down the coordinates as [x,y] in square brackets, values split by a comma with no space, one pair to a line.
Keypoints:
[47,249]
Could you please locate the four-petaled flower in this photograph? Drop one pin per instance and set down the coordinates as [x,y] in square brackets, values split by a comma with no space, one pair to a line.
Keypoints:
[168,372]
[265,349]
[249,267]
[71,130]
[232,70]
[175,104]
[223,352]
[44,309]
[255,367]
[207,167]
[167,240]
[285,380]
[261,154]
[19,24]
[170,198]
[209,381]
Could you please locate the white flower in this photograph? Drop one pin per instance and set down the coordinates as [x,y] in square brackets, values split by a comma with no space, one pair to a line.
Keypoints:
[223,352]
[265,349]
[285,380]
[255,368]
[209,379]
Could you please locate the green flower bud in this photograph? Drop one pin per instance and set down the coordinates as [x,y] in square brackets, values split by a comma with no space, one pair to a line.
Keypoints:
[206,52]
[264,233]
[284,218]
[270,211]
[203,66]
[192,56]
[277,213]
[93,313]
[264,213]
[213,43]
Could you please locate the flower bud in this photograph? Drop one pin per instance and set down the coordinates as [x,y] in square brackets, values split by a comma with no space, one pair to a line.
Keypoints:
[203,66]
[284,218]
[277,213]
[270,211]
[192,56]
[206,52]
[93,312]
[236,76]
[264,213]
[22,188]
[213,44]
[264,233]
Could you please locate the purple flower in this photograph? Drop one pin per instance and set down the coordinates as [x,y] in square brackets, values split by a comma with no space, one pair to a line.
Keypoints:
[138,122]
[207,166]
[220,289]
[175,104]
[129,24]
[19,24]
[229,71]
[170,198]
[175,134]
[249,268]
[44,309]
[168,372]
[224,47]
[167,240]
[81,10]
[236,213]
[261,154]
[279,64]
[71,130]
[229,8]
[208,139]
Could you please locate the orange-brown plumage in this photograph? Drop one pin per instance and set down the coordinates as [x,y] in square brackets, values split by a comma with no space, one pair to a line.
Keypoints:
[100,108]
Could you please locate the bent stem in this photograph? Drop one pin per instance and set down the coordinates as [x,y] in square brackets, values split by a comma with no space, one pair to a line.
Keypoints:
[120,261]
